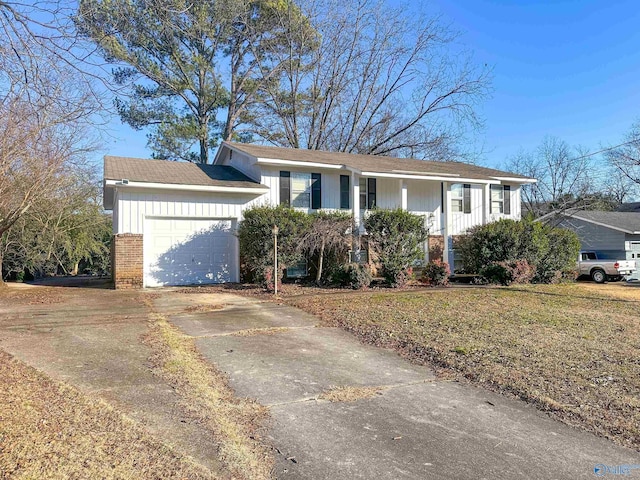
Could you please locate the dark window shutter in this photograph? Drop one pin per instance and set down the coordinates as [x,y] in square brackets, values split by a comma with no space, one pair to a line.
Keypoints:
[316,191]
[507,200]
[466,199]
[344,191]
[285,188]
[371,193]
[442,197]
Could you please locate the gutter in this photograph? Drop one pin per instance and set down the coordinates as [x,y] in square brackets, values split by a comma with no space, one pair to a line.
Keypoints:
[124,183]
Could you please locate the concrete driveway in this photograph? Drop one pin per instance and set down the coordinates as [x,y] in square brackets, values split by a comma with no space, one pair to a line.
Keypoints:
[416,426]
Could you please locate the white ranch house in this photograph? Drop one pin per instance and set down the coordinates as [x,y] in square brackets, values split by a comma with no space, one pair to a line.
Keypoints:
[174,222]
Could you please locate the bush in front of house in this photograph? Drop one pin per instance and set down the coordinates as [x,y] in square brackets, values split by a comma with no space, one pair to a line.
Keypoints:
[255,236]
[436,273]
[352,275]
[560,261]
[499,249]
[397,238]
[327,240]
[506,273]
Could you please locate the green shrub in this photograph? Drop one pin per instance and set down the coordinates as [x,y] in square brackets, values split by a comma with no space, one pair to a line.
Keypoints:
[495,272]
[495,249]
[397,238]
[506,273]
[353,275]
[436,273]
[256,239]
[563,250]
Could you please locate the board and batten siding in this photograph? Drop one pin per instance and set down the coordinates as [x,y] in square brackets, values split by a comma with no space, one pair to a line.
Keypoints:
[461,222]
[330,189]
[424,199]
[516,206]
[134,205]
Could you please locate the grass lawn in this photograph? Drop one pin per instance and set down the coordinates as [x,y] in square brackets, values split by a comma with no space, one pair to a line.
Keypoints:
[573,350]
[51,430]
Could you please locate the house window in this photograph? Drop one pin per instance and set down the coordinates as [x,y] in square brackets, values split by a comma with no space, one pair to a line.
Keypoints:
[457,198]
[301,190]
[501,199]
[344,192]
[367,193]
[461,198]
[497,199]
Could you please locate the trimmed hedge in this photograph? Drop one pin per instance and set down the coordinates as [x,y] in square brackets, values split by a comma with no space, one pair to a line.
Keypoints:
[256,240]
[497,250]
[397,238]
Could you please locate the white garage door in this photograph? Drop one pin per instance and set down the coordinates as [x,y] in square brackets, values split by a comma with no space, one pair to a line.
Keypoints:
[180,251]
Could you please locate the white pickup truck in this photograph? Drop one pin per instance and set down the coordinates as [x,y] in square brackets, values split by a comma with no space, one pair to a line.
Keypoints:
[602,270]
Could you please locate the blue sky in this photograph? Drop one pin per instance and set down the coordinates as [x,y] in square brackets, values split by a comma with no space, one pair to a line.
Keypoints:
[564,68]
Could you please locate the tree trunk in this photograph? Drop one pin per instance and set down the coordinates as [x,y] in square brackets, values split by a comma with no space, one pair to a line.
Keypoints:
[204,151]
[320,261]
[74,272]
[2,284]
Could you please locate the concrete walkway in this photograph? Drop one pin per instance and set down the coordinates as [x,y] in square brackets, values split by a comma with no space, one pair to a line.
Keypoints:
[92,338]
[417,427]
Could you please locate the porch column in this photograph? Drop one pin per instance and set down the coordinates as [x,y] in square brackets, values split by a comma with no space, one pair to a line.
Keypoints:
[404,195]
[355,201]
[486,204]
[446,221]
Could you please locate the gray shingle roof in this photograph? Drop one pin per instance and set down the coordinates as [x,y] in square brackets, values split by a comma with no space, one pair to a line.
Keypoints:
[179,173]
[375,163]
[626,221]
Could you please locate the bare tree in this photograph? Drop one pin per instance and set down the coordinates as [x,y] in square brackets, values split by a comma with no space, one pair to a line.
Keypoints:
[564,176]
[626,158]
[328,233]
[45,113]
[373,81]
[618,187]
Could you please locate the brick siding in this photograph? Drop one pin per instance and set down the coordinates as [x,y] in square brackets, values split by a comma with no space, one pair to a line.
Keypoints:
[126,261]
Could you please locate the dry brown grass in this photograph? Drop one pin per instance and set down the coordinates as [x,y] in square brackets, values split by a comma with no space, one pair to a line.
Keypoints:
[349,394]
[207,397]
[19,294]
[50,430]
[250,332]
[203,308]
[572,350]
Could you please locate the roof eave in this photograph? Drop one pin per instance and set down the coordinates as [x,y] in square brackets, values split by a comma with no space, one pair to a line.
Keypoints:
[437,178]
[258,190]
[623,230]
[296,163]
[515,179]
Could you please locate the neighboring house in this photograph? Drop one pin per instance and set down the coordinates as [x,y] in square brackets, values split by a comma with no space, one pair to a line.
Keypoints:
[174,222]
[612,235]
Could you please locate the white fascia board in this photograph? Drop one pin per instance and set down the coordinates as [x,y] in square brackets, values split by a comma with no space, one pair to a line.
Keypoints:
[516,179]
[191,188]
[223,145]
[602,224]
[430,177]
[294,163]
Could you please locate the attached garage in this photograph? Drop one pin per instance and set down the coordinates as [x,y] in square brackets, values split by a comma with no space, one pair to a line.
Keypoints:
[188,251]
[174,223]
